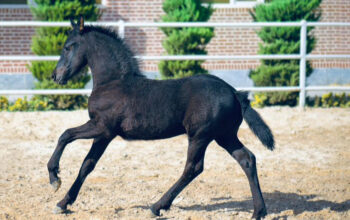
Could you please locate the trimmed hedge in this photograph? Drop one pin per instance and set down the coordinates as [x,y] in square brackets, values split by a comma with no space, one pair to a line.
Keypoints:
[185,41]
[282,40]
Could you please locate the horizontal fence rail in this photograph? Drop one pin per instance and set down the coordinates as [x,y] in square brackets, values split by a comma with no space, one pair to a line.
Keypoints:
[194,57]
[88,91]
[169,24]
[46,92]
[302,56]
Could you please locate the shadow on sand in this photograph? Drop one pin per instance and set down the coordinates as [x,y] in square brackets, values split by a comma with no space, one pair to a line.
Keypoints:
[276,203]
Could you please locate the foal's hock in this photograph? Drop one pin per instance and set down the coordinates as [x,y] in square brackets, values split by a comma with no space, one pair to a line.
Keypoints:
[204,107]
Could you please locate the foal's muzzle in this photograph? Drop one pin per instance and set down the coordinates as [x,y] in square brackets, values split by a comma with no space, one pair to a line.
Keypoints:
[58,78]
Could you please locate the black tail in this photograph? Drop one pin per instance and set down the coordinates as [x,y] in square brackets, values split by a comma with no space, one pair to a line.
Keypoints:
[255,122]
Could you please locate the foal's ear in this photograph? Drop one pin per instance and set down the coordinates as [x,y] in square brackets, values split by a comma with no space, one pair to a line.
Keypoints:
[74,25]
[81,24]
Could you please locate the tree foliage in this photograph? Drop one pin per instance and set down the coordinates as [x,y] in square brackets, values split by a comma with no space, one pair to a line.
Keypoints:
[185,41]
[283,40]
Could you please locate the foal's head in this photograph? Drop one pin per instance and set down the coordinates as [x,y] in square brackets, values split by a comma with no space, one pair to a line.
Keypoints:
[107,54]
[73,57]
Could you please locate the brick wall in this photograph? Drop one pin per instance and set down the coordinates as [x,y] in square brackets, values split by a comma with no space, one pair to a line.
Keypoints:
[333,40]
[15,40]
[147,41]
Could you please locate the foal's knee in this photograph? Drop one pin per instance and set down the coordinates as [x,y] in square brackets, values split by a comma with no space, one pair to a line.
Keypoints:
[65,137]
[198,168]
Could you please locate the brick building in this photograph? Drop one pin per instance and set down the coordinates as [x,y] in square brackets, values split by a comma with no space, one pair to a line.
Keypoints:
[147,41]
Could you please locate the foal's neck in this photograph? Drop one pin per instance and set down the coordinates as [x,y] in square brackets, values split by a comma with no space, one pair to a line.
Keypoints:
[109,60]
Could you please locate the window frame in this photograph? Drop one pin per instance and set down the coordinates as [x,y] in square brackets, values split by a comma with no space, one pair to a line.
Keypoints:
[31,2]
[236,4]
[14,5]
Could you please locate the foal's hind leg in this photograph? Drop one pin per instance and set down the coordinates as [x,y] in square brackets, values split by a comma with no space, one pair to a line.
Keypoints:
[246,160]
[88,130]
[193,167]
[95,153]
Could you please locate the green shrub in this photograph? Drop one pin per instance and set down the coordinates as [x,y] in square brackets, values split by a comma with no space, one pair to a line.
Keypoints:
[19,105]
[50,40]
[4,103]
[283,40]
[185,41]
[39,104]
[259,100]
[23,104]
[44,103]
[330,100]
[66,102]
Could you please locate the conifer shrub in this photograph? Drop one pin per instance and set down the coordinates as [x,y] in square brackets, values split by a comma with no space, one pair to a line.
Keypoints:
[283,40]
[187,40]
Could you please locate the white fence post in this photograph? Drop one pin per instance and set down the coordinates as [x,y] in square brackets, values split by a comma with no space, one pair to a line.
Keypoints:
[302,64]
[121,29]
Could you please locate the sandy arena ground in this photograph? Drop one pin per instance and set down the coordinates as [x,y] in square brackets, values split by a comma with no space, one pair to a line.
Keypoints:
[306,177]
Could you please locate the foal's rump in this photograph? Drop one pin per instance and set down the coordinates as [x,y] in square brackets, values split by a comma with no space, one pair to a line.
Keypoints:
[218,109]
[212,105]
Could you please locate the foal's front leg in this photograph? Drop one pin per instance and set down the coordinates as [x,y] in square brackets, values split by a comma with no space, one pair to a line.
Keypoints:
[95,153]
[88,130]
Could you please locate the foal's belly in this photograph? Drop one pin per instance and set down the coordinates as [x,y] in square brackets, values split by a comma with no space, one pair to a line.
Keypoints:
[132,129]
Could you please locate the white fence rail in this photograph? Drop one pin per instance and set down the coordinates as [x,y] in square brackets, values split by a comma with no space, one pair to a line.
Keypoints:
[302,56]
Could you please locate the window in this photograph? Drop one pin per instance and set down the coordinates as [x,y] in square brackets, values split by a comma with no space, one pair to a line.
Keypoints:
[24,3]
[13,4]
[232,3]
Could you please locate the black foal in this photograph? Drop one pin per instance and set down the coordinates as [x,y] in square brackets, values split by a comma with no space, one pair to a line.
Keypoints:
[123,102]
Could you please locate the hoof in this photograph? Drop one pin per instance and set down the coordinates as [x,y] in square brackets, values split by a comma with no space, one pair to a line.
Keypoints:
[56,185]
[259,215]
[58,210]
[154,213]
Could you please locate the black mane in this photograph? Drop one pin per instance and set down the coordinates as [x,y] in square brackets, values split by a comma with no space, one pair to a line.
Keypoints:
[104,30]
[120,43]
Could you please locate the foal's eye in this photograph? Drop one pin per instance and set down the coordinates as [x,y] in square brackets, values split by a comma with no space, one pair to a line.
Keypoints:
[68,48]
